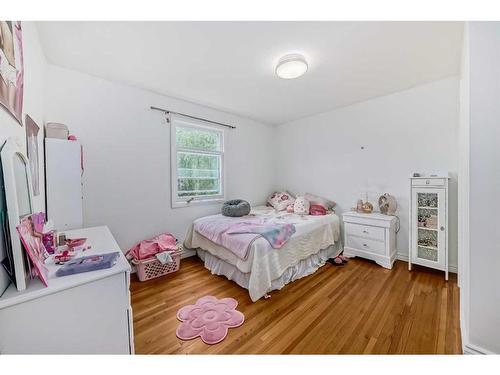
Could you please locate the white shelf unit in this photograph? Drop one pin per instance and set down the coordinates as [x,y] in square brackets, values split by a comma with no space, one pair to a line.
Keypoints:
[64,183]
[429,203]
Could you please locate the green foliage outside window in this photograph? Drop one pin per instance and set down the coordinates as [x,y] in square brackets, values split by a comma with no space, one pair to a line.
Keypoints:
[198,173]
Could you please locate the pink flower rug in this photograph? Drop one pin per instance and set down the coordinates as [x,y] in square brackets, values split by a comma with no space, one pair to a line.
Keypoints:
[209,318]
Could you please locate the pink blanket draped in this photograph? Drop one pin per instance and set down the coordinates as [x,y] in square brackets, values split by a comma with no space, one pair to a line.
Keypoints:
[149,248]
[238,234]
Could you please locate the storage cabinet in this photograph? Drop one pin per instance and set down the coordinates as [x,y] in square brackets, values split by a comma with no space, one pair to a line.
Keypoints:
[429,223]
[63,170]
[371,236]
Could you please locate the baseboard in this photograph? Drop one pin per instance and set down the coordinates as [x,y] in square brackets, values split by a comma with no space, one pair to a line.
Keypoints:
[188,253]
[185,254]
[474,349]
[404,258]
[464,336]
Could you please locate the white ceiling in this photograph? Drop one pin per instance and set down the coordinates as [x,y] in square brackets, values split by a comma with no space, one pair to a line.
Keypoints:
[230,65]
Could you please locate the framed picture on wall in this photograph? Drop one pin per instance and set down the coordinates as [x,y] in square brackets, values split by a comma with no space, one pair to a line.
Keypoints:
[11,68]
[32,130]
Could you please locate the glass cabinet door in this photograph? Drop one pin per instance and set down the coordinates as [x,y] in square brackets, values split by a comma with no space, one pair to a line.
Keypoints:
[429,233]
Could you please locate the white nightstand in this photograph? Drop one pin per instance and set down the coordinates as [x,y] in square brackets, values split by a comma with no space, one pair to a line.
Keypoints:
[371,236]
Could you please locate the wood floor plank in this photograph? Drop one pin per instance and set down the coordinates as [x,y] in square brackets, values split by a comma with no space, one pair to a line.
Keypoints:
[355,309]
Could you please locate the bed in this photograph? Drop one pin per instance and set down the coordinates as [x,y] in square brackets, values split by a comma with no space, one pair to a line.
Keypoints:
[264,269]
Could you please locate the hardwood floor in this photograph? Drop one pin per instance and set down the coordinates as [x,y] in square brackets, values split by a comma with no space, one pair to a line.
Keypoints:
[359,308]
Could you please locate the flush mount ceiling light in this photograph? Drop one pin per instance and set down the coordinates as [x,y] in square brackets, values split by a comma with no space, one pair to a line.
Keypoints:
[291,66]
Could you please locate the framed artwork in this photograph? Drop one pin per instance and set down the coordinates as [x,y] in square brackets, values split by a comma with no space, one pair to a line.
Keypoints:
[30,230]
[32,150]
[11,68]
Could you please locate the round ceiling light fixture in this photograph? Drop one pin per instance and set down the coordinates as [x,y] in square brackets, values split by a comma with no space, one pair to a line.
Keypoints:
[291,66]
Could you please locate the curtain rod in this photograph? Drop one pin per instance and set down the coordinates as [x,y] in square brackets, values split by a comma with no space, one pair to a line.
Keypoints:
[193,117]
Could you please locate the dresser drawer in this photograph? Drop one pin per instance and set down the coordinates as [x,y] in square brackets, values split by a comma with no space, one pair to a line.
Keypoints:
[366,231]
[365,244]
[428,182]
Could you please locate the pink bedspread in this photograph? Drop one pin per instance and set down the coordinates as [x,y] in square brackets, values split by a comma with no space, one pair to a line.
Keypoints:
[238,233]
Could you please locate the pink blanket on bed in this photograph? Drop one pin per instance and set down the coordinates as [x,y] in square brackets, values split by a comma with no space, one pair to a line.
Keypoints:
[238,234]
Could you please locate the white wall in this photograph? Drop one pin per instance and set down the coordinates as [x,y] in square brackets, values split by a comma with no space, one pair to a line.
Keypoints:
[127,155]
[34,91]
[410,131]
[484,266]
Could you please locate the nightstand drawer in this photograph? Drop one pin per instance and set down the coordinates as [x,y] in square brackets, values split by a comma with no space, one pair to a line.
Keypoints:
[365,244]
[428,182]
[366,231]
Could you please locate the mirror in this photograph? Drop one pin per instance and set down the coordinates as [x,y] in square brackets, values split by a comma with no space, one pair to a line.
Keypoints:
[17,186]
[22,185]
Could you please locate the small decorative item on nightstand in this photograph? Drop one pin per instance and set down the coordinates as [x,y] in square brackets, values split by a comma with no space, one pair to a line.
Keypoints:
[367,208]
[387,204]
[371,236]
[359,206]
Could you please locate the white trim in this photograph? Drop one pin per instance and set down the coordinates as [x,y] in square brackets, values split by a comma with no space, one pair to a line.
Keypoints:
[463,193]
[464,334]
[404,257]
[474,349]
[187,253]
[176,202]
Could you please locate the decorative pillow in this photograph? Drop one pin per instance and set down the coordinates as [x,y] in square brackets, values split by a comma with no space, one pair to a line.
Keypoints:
[280,200]
[235,208]
[301,206]
[317,210]
[319,201]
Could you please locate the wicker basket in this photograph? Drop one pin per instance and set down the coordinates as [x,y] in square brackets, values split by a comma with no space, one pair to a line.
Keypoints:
[152,268]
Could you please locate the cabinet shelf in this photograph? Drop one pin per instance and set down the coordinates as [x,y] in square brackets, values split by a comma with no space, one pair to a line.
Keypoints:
[427,208]
[427,228]
[428,247]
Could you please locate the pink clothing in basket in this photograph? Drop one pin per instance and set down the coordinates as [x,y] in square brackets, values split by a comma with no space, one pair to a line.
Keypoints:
[149,248]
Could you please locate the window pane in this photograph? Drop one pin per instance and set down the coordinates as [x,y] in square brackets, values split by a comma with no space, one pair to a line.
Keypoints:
[197,174]
[198,139]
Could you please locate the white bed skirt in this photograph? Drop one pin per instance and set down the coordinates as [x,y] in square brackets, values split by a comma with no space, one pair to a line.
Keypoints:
[303,268]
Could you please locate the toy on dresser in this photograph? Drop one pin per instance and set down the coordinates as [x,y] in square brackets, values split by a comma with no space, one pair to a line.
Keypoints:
[364,207]
[70,248]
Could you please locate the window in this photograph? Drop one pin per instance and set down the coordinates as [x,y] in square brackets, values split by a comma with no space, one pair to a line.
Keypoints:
[197,162]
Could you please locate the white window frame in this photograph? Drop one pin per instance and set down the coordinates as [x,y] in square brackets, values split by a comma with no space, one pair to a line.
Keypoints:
[178,202]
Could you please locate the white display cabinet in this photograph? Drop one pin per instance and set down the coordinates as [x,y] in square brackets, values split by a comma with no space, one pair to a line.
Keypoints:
[429,223]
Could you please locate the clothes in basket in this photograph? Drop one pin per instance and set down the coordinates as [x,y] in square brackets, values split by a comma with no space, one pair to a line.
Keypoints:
[149,248]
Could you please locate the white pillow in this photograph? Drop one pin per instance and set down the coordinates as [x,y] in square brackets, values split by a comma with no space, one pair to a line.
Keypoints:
[301,206]
[280,200]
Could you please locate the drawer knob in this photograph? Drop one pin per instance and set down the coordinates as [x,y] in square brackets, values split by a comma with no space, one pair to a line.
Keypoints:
[442,228]
[427,182]
[365,245]
[365,231]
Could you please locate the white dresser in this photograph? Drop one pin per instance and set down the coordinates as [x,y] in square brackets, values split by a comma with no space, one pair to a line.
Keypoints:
[371,236]
[87,313]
